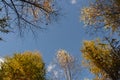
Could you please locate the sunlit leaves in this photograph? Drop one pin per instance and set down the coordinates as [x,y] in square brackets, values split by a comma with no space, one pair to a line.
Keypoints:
[102,13]
[64,58]
[89,15]
[103,59]
[97,56]
[23,66]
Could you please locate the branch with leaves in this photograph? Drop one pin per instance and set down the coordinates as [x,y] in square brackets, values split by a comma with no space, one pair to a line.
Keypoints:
[103,59]
[102,14]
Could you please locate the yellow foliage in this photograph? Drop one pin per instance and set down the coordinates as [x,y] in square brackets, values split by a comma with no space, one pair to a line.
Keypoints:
[23,66]
[97,56]
[102,13]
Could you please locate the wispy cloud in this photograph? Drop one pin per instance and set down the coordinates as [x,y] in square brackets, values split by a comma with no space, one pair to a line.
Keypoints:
[50,67]
[1,59]
[55,73]
[73,1]
[86,79]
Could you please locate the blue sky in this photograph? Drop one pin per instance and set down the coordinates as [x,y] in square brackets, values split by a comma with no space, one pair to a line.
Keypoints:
[67,33]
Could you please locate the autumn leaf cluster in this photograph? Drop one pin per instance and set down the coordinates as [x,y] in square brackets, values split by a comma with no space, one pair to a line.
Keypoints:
[101,59]
[102,14]
[25,66]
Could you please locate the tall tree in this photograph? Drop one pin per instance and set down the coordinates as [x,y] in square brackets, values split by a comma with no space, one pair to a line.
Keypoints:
[66,62]
[23,66]
[103,59]
[65,67]
[102,14]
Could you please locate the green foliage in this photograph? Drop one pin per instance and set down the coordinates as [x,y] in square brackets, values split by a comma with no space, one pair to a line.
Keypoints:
[102,59]
[23,66]
[102,14]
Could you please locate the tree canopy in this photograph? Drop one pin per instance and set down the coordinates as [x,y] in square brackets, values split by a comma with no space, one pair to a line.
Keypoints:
[102,14]
[103,59]
[23,66]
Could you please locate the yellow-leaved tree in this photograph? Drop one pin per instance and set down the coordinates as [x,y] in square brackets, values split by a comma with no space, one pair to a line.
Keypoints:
[23,66]
[102,59]
[102,14]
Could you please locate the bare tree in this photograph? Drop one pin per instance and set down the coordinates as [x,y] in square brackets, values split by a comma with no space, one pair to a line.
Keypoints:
[26,14]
